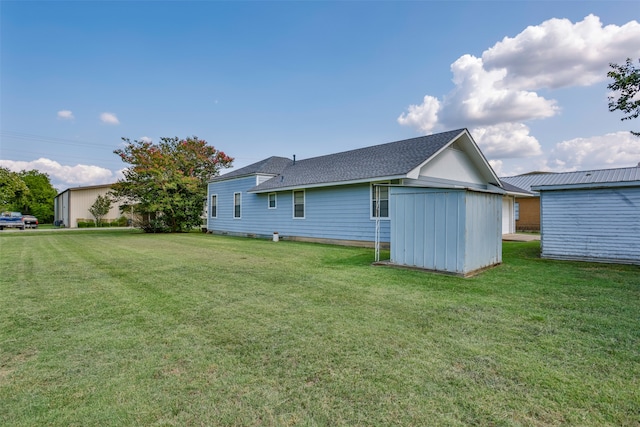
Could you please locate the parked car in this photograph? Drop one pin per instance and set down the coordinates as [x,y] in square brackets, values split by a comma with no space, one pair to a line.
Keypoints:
[11,220]
[30,221]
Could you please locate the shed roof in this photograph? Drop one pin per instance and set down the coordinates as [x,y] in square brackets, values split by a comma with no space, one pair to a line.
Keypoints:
[589,177]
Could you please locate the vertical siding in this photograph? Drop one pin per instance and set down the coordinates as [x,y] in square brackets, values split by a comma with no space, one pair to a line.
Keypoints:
[427,228]
[330,213]
[592,224]
[454,231]
[82,199]
[483,230]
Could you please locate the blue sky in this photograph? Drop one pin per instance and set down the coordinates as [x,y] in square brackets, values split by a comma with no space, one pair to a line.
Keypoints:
[256,79]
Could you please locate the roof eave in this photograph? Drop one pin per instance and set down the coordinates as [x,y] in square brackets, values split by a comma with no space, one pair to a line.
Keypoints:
[256,190]
[589,185]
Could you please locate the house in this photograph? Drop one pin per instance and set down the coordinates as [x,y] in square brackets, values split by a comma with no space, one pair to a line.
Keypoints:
[527,204]
[72,205]
[434,200]
[591,216]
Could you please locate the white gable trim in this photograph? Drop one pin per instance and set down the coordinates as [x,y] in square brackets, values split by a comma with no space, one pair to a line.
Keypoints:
[472,150]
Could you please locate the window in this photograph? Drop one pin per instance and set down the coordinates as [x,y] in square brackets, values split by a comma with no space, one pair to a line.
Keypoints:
[237,202]
[517,213]
[272,200]
[298,204]
[214,206]
[379,201]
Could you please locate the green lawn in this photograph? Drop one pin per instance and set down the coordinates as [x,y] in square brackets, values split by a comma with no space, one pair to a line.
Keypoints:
[120,328]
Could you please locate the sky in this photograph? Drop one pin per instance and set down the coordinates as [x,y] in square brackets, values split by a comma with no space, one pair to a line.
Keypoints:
[280,78]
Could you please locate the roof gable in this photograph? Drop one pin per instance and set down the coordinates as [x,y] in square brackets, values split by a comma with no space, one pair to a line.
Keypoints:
[384,161]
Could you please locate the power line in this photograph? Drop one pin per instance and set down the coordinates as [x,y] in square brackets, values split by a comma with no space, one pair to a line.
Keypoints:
[49,139]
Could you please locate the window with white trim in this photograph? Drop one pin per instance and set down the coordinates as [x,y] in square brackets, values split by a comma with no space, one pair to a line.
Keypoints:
[214,206]
[237,204]
[272,200]
[298,204]
[379,200]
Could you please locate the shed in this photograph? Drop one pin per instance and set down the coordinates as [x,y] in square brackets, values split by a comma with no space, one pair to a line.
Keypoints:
[592,216]
[456,231]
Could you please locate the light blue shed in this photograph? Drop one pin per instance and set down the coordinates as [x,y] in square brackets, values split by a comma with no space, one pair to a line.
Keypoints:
[454,231]
[592,216]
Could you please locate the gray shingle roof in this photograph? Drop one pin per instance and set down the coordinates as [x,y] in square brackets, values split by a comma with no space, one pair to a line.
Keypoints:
[385,160]
[513,189]
[270,166]
[568,178]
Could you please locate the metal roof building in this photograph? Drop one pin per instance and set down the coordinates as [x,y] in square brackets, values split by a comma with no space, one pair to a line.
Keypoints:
[591,215]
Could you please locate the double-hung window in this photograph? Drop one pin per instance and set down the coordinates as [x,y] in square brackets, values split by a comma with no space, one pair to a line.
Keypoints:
[214,206]
[237,204]
[379,201]
[272,200]
[298,204]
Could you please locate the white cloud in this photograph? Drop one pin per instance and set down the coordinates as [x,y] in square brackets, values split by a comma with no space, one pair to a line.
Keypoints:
[497,165]
[109,118]
[613,150]
[478,98]
[146,139]
[506,140]
[62,176]
[424,116]
[558,53]
[65,115]
[495,94]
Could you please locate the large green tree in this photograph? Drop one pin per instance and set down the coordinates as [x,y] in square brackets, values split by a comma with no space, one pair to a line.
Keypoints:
[166,183]
[39,200]
[13,190]
[626,88]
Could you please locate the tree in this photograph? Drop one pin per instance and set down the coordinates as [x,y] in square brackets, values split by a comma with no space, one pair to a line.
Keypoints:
[100,208]
[13,190]
[626,82]
[39,200]
[167,182]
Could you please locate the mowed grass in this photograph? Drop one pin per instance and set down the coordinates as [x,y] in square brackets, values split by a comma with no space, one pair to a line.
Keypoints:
[111,328]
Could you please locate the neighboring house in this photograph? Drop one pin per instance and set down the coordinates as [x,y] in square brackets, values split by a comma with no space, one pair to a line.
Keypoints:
[592,216]
[435,200]
[73,205]
[510,206]
[528,206]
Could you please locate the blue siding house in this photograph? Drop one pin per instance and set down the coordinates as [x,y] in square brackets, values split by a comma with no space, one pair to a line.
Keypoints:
[591,215]
[363,197]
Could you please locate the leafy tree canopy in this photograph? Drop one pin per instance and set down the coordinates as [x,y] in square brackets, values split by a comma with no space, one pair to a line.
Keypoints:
[13,190]
[167,181]
[626,85]
[39,200]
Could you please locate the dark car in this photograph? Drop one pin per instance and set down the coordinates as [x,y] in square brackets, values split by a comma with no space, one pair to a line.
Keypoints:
[30,221]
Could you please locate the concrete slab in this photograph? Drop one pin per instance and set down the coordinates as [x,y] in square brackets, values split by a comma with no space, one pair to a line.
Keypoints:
[520,237]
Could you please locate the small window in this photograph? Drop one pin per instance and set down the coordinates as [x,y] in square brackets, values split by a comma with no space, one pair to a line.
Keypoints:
[214,206]
[272,200]
[517,209]
[237,202]
[298,204]
[379,201]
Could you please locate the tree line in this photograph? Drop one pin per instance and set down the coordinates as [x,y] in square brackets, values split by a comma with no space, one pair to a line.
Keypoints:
[29,192]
